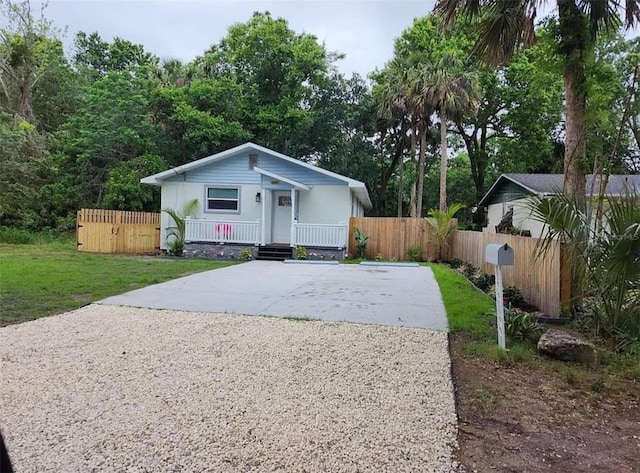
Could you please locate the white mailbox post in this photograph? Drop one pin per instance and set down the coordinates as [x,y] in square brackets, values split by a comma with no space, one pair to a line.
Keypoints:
[499,255]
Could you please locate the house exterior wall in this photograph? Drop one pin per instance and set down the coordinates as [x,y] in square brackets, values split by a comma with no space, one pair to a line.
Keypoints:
[175,194]
[521,217]
[325,204]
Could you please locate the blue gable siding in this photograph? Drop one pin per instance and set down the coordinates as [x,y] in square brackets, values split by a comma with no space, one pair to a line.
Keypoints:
[235,170]
[297,173]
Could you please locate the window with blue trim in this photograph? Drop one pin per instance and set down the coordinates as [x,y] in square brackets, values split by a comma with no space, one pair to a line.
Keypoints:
[226,199]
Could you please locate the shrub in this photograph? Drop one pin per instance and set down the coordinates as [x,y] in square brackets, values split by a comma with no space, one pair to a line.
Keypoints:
[15,236]
[301,252]
[455,263]
[379,257]
[361,242]
[246,254]
[469,270]
[414,253]
[519,325]
[513,297]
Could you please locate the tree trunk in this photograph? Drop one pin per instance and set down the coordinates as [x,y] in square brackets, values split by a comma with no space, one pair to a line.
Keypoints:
[574,43]
[575,137]
[400,185]
[421,160]
[443,160]
[413,208]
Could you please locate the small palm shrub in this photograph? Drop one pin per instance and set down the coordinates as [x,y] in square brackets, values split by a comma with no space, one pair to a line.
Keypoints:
[361,242]
[176,236]
[519,325]
[414,253]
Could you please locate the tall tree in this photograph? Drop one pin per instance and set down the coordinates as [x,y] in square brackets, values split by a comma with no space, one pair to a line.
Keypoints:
[451,91]
[26,46]
[504,26]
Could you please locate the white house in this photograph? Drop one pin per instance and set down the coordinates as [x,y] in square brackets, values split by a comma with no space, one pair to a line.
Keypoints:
[509,194]
[252,196]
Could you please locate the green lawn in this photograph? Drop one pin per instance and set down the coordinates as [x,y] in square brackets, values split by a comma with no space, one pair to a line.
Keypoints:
[46,279]
[468,309]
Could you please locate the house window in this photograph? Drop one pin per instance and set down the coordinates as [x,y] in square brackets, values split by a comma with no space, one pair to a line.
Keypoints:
[253,161]
[225,199]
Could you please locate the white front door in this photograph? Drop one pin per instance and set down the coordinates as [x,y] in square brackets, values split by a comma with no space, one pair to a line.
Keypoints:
[281,225]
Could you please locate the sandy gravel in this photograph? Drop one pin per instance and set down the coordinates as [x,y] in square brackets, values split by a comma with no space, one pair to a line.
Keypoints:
[108,388]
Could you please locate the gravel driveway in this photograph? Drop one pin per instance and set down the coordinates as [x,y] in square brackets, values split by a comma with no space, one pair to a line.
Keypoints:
[108,388]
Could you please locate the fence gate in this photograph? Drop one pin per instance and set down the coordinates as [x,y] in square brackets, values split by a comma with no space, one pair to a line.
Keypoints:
[116,231]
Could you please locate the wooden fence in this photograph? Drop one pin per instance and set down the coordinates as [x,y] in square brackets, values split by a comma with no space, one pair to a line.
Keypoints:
[391,237]
[115,231]
[544,283]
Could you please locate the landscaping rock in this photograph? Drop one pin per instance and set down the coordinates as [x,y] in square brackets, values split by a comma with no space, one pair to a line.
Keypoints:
[566,347]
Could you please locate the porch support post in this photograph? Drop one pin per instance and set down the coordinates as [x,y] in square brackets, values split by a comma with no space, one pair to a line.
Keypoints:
[293,217]
[263,227]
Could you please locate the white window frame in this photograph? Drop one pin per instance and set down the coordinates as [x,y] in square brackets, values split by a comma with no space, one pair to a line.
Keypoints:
[221,211]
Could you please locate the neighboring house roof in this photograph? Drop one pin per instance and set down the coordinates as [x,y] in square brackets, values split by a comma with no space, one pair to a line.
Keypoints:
[358,187]
[514,186]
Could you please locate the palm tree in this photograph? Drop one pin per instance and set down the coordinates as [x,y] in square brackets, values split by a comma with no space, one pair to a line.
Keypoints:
[176,236]
[403,96]
[442,225]
[610,258]
[452,92]
[503,26]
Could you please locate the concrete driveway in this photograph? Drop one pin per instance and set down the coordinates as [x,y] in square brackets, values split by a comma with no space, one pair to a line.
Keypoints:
[405,296]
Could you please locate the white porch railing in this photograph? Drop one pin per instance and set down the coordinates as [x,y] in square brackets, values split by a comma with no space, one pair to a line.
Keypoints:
[312,234]
[219,231]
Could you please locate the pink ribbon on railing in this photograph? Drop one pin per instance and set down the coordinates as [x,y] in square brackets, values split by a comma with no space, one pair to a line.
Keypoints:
[223,228]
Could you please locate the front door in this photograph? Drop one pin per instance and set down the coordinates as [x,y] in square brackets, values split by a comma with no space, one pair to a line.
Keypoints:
[281,225]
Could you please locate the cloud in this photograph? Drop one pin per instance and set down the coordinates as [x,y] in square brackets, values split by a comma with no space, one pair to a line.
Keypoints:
[363,30]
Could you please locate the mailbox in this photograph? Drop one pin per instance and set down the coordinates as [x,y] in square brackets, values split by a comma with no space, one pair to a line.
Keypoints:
[500,255]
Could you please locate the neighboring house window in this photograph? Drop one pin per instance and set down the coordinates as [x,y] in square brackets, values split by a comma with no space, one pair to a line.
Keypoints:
[226,199]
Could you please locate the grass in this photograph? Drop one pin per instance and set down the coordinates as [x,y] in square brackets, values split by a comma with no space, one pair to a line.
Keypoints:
[472,313]
[468,309]
[43,279]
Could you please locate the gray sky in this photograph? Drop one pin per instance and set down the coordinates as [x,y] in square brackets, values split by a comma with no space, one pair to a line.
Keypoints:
[364,30]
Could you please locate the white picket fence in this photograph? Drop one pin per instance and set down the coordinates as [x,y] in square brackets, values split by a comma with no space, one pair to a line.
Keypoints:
[219,231]
[325,235]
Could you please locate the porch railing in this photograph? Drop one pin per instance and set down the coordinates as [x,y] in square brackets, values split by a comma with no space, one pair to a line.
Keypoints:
[219,231]
[312,234]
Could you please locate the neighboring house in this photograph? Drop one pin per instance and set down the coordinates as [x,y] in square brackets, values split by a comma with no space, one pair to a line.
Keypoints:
[508,196]
[251,196]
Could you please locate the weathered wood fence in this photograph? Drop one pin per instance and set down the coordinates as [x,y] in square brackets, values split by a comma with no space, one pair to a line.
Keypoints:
[544,283]
[115,231]
[391,237]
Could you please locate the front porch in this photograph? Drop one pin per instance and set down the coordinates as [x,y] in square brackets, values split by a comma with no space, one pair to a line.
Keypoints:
[309,235]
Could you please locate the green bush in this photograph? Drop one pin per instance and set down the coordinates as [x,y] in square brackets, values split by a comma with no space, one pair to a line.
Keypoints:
[246,254]
[361,242]
[15,236]
[301,252]
[414,253]
[455,263]
[513,297]
[519,325]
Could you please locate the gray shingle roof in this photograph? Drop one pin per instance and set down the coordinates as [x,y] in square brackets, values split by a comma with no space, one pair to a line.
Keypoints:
[548,184]
[552,183]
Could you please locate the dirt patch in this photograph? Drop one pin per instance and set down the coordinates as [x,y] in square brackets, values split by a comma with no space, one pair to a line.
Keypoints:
[543,417]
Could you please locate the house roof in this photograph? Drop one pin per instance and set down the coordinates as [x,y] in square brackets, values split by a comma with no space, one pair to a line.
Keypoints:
[357,187]
[549,184]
